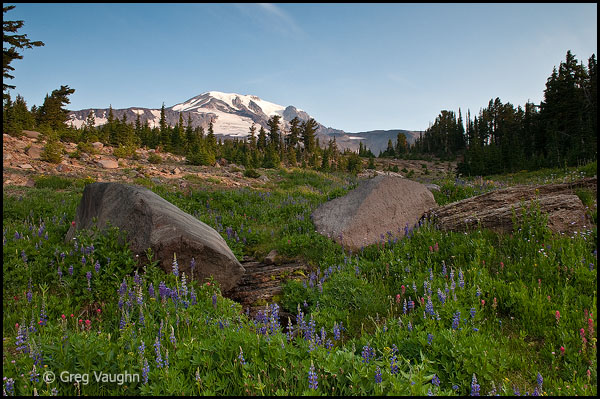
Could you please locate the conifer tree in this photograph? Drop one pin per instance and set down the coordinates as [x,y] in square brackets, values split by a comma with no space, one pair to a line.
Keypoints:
[52,113]
[309,129]
[273,124]
[252,141]
[262,139]
[12,44]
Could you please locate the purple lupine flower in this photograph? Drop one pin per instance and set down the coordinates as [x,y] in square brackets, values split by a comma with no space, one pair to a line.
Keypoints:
[455,320]
[290,330]
[163,291]
[97,267]
[443,268]
[411,304]
[83,260]
[175,266]
[435,380]
[540,381]
[122,288]
[145,371]
[137,279]
[193,297]
[214,300]
[377,375]
[184,290]
[141,348]
[478,293]
[23,256]
[404,306]
[313,382]
[140,296]
[172,337]
[88,275]
[43,315]
[336,331]
[33,375]
[368,353]
[429,307]
[429,338]
[159,361]
[472,313]
[192,266]
[474,386]
[151,291]
[393,365]
[241,357]
[441,296]
[461,279]
[71,270]
[21,340]
[123,322]
[9,386]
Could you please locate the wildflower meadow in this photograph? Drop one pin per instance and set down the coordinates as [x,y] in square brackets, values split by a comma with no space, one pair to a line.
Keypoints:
[432,313]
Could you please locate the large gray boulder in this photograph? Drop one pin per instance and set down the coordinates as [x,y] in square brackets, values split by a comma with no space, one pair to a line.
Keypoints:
[377,206]
[152,222]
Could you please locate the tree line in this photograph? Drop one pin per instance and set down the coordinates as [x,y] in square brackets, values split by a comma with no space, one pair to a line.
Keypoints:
[560,131]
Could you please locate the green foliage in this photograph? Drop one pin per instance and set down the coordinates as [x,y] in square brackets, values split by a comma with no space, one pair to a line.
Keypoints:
[126,151]
[52,181]
[85,146]
[507,288]
[252,173]
[154,158]
[53,150]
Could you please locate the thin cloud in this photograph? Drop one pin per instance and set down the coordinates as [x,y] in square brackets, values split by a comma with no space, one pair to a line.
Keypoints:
[276,18]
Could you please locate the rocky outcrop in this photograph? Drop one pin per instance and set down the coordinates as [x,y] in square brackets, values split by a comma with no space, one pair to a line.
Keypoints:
[494,210]
[378,206]
[152,222]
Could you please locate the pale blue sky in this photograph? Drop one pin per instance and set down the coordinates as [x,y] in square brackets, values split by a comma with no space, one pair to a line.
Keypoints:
[354,67]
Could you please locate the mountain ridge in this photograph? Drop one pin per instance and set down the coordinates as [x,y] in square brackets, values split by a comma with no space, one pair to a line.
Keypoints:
[233,114]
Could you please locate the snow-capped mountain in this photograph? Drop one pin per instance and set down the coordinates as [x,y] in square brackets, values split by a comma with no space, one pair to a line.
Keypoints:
[232,116]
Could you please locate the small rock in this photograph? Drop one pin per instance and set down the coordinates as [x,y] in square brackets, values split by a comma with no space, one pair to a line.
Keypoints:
[97,145]
[34,152]
[29,183]
[176,171]
[62,168]
[107,163]
[25,166]
[271,258]
[31,134]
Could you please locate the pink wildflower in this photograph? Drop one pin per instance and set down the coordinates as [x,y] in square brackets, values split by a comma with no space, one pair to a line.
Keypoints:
[557,315]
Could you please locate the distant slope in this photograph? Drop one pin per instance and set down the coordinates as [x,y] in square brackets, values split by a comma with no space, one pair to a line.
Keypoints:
[232,116]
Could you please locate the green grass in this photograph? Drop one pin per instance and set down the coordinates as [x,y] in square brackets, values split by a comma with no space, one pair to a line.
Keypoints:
[506,288]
